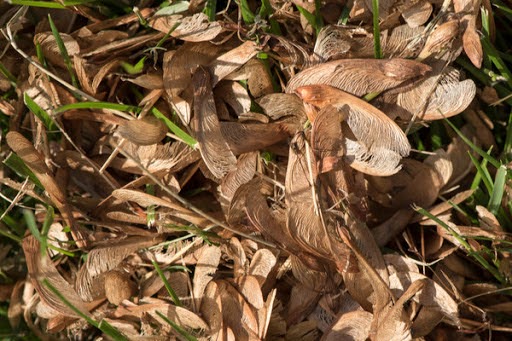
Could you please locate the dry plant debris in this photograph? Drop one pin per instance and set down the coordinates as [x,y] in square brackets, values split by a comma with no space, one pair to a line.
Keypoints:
[246,170]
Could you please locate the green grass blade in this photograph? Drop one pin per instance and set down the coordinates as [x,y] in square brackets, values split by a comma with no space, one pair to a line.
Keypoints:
[483,262]
[247,14]
[4,231]
[8,75]
[482,153]
[174,128]
[376,30]
[39,112]
[177,328]
[167,285]
[64,52]
[497,190]
[15,163]
[98,105]
[311,18]
[43,4]
[104,326]
[30,220]
[507,147]
[482,173]
[209,9]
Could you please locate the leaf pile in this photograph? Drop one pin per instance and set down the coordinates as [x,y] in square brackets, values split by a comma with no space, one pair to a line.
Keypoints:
[259,171]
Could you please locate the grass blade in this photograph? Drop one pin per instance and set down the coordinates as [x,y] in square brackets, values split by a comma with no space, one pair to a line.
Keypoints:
[104,326]
[39,112]
[497,190]
[63,52]
[98,105]
[483,262]
[167,285]
[15,163]
[177,328]
[174,128]
[376,30]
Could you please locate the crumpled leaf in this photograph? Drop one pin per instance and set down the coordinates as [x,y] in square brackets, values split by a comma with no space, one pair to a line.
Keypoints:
[360,76]
[213,147]
[374,144]
[195,28]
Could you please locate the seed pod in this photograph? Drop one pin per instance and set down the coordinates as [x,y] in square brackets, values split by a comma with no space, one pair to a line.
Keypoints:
[118,286]
[146,131]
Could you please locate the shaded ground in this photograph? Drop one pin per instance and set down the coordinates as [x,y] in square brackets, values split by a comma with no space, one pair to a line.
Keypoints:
[280,170]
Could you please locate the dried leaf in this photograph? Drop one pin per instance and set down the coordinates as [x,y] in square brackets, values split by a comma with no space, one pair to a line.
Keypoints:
[205,269]
[231,61]
[378,153]
[244,172]
[360,76]
[247,137]
[195,28]
[417,14]
[279,105]
[40,267]
[35,161]
[145,131]
[354,326]
[51,50]
[213,147]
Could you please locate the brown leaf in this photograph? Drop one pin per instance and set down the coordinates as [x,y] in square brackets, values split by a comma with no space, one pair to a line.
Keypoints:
[213,147]
[51,50]
[195,28]
[248,137]
[376,153]
[360,76]
[353,325]
[244,172]
[35,161]
[471,41]
[41,267]
[145,131]
[231,61]
[418,13]
[279,105]
[211,310]
[206,267]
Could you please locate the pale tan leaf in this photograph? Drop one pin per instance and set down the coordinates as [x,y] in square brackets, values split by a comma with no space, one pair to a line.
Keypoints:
[449,99]
[106,257]
[327,138]
[248,137]
[103,72]
[205,269]
[211,310]
[234,95]
[231,61]
[237,313]
[376,153]
[258,78]
[51,50]
[404,42]
[360,76]
[171,157]
[417,14]
[118,286]
[432,295]
[250,289]
[214,149]
[195,28]
[244,172]
[262,263]
[35,161]
[145,131]
[440,39]
[41,267]
[354,326]
[179,315]
[333,42]
[151,81]
[279,105]
[471,42]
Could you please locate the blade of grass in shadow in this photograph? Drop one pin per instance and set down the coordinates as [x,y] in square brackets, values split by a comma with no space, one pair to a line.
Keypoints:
[480,175]
[497,190]
[8,75]
[507,146]
[63,52]
[15,163]
[103,325]
[167,285]
[481,152]
[4,231]
[177,328]
[315,20]
[266,11]
[481,260]
[39,112]
[376,29]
